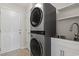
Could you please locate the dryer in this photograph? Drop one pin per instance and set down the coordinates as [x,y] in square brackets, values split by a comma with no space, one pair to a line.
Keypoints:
[36,18]
[43,18]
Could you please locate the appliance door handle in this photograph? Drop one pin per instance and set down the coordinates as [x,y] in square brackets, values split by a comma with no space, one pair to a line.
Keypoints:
[63,53]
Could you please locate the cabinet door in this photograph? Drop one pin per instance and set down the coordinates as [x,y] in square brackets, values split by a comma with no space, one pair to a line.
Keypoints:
[63,48]
[53,47]
[56,49]
[70,52]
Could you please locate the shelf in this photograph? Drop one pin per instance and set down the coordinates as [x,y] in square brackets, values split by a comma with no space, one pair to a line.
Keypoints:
[69,12]
[68,18]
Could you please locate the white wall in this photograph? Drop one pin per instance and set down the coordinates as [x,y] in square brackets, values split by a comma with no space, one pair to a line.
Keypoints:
[28,27]
[67,17]
[63,27]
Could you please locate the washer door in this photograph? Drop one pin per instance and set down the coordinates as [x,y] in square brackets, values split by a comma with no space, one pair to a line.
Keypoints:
[36,17]
[36,47]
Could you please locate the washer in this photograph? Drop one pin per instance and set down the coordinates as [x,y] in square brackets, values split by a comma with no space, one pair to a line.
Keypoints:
[37,45]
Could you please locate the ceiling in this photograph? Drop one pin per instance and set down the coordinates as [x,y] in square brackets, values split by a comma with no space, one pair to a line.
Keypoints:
[27,5]
[23,5]
[57,5]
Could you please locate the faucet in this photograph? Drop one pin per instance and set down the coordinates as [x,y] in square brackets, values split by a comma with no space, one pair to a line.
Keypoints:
[76,34]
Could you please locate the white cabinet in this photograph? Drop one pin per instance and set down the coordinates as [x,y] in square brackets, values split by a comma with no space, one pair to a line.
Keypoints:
[10,25]
[12,30]
[60,47]
[13,26]
[70,52]
[55,48]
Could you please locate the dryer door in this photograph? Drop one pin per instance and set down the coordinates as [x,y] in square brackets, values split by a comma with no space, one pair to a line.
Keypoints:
[36,47]
[36,17]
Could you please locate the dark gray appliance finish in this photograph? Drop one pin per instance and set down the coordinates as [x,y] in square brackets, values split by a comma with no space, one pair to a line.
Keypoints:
[49,26]
[50,20]
[49,14]
[47,46]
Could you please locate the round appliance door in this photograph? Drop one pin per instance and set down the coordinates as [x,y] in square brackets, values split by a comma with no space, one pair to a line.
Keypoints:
[36,17]
[36,47]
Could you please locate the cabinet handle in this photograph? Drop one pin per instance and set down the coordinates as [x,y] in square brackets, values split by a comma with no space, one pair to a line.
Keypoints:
[61,52]
[20,32]
[0,31]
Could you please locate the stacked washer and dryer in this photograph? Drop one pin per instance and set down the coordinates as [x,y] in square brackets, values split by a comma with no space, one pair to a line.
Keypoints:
[43,27]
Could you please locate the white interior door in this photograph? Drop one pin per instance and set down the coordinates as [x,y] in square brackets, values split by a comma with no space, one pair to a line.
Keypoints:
[10,30]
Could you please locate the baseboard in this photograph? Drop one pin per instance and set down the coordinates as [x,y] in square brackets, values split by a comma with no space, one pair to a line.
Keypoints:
[2,52]
[12,52]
